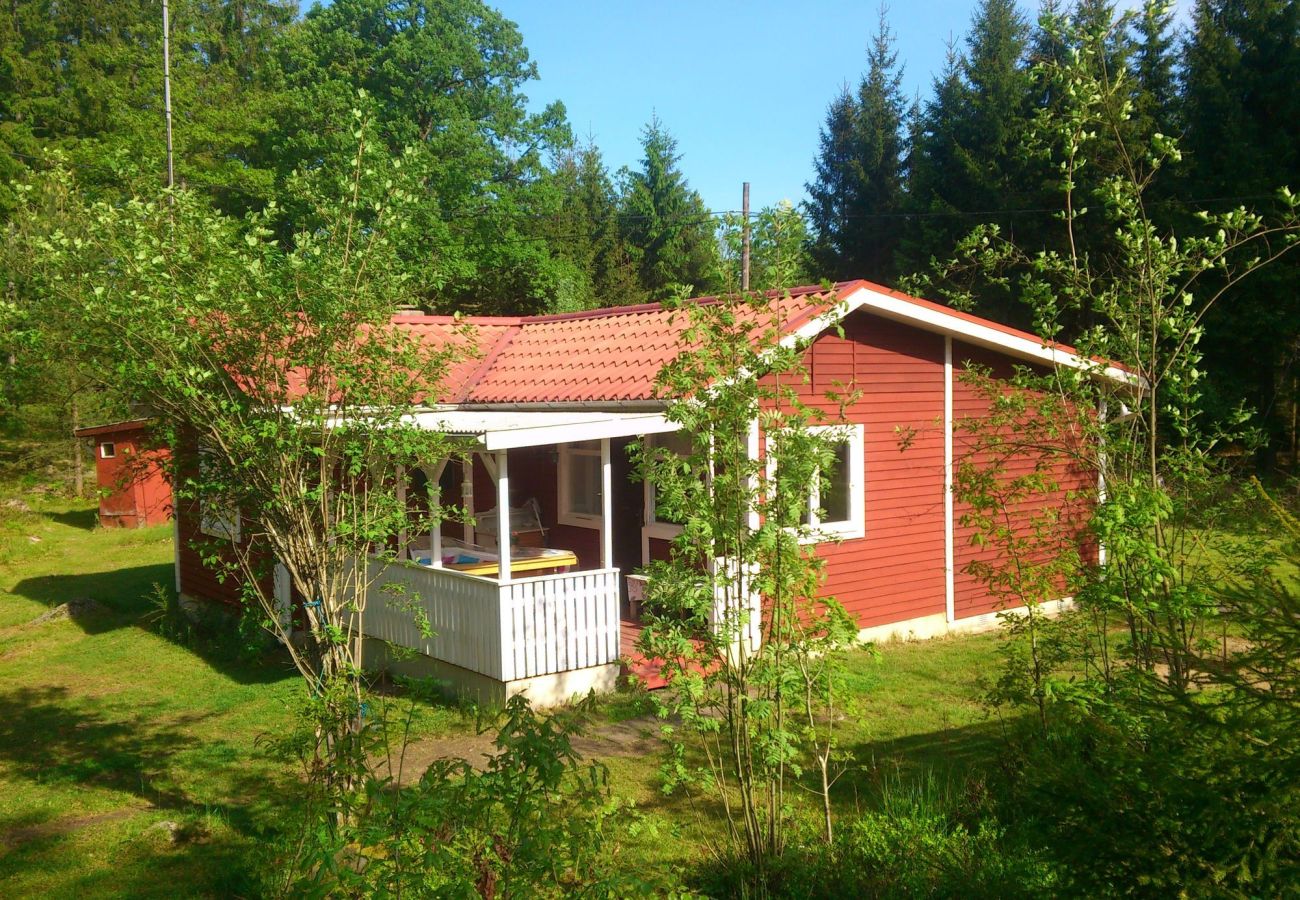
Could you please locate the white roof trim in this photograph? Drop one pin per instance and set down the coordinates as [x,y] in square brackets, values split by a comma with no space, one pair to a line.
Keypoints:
[978,333]
[508,429]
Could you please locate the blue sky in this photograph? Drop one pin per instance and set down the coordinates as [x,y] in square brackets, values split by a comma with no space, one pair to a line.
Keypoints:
[742,86]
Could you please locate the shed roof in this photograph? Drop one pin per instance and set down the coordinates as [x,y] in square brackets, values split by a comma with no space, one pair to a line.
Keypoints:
[112,428]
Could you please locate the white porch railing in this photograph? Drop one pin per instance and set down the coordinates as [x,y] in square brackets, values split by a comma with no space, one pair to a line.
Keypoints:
[511,630]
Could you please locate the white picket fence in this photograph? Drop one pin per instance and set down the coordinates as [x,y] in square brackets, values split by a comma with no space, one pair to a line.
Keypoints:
[522,628]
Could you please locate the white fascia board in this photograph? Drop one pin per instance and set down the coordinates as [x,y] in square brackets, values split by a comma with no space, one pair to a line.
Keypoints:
[977,333]
[983,335]
[570,432]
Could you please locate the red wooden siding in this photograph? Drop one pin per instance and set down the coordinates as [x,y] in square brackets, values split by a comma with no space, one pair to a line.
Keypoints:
[133,485]
[971,595]
[896,571]
[196,579]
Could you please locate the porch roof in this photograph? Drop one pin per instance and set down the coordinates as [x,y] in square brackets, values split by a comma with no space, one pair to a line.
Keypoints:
[507,429]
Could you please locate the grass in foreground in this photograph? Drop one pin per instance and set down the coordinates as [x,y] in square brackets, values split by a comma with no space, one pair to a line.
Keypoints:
[129,764]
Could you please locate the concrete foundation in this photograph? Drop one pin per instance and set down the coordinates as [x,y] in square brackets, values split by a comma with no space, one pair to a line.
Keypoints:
[543,690]
[925,627]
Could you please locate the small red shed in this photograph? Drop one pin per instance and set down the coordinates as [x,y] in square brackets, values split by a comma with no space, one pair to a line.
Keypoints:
[131,472]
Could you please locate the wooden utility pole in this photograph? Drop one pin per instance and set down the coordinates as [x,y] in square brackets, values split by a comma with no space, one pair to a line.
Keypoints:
[744,238]
[167,94]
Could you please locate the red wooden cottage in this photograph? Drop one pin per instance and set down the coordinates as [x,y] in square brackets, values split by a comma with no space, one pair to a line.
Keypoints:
[540,593]
[130,469]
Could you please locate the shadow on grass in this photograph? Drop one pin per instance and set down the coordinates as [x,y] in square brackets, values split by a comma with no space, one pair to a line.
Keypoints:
[950,755]
[126,594]
[49,737]
[82,519]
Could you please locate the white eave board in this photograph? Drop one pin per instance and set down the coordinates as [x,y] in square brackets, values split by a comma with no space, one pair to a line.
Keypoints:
[508,429]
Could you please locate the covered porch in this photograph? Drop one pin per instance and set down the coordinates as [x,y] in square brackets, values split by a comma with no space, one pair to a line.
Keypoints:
[529,594]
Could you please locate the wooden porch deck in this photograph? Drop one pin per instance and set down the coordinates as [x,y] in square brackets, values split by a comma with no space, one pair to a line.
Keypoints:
[646,671]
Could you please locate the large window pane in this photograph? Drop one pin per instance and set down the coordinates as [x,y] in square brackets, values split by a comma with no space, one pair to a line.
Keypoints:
[584,484]
[835,486]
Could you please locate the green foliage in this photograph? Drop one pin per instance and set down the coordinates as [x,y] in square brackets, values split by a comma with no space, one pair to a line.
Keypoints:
[536,821]
[858,192]
[922,841]
[445,79]
[584,228]
[1148,727]
[751,652]
[665,224]
[778,256]
[966,163]
[274,374]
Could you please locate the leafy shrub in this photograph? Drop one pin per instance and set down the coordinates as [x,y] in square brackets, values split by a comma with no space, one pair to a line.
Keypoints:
[1157,801]
[536,822]
[920,842]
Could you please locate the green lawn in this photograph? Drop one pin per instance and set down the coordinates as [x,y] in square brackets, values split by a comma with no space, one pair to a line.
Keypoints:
[108,729]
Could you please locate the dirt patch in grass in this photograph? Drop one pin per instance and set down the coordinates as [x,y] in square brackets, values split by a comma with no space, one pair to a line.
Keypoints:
[16,837]
[630,738]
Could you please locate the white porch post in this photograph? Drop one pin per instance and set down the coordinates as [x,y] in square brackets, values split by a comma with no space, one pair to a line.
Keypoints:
[949,537]
[503,516]
[434,485]
[467,495]
[606,507]
[403,550]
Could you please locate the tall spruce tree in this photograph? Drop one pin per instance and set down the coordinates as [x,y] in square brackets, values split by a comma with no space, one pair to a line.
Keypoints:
[667,229]
[583,228]
[969,166]
[933,223]
[1154,67]
[1242,120]
[856,198]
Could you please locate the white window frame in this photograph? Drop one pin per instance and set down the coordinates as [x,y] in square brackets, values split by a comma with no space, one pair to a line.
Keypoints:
[565,515]
[217,523]
[107,449]
[664,531]
[855,526]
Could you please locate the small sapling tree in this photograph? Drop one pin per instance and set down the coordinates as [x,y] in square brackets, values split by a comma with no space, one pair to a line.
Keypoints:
[275,375]
[749,648]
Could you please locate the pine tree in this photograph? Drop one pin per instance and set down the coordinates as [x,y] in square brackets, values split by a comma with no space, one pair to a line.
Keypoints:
[1153,66]
[858,192]
[665,225]
[970,167]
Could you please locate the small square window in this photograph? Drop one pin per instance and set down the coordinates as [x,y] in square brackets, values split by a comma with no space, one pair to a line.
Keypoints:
[107,450]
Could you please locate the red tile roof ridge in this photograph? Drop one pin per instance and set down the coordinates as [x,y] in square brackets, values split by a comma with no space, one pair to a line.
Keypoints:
[608,311]
[407,318]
